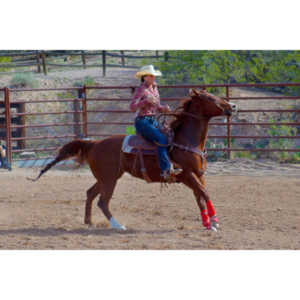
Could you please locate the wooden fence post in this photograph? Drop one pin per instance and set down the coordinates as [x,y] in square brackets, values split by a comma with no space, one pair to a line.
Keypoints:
[38,61]
[44,62]
[228,126]
[7,126]
[84,112]
[122,58]
[83,59]
[103,63]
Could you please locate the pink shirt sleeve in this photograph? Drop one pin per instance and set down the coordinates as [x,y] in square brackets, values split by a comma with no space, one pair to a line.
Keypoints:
[136,103]
[160,107]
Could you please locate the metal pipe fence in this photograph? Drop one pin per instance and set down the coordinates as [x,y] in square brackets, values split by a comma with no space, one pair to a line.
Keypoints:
[82,113]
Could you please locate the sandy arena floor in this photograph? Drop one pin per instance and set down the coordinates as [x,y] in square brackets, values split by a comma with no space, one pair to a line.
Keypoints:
[258,205]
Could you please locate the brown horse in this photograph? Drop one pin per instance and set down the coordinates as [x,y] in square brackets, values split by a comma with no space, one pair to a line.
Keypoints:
[108,163]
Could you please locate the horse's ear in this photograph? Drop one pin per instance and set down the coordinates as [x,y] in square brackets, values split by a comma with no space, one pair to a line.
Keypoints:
[193,92]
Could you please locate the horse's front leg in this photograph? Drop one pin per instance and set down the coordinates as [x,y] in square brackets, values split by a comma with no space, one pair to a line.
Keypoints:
[214,221]
[191,180]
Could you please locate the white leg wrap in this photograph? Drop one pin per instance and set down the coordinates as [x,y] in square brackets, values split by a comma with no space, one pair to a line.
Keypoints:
[115,224]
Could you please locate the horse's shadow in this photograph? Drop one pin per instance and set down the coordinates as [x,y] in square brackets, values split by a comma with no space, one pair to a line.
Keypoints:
[52,231]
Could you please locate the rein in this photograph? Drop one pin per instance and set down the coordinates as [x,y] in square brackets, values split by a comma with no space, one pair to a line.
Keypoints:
[182,147]
[178,114]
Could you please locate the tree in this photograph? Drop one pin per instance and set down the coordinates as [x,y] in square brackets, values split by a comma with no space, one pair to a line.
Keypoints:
[231,66]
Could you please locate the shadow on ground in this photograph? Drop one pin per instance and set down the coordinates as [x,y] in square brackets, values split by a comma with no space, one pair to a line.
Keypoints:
[52,231]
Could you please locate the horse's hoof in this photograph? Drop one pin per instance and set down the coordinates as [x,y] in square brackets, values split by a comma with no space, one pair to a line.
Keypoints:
[114,224]
[214,224]
[213,228]
[214,221]
[121,228]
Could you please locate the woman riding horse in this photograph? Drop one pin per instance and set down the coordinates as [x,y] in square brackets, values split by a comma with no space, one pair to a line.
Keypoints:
[108,163]
[145,103]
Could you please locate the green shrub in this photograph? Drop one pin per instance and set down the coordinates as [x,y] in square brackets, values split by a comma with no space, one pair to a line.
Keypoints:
[4,60]
[243,154]
[215,155]
[65,95]
[282,130]
[295,157]
[21,80]
[130,130]
[87,80]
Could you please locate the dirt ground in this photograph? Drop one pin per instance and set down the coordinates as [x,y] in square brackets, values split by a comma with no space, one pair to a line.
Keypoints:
[257,203]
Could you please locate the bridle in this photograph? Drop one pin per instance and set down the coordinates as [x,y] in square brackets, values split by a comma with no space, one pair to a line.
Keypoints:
[186,113]
[157,117]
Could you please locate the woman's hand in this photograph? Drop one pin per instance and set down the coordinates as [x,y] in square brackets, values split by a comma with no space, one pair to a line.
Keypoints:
[151,99]
[166,109]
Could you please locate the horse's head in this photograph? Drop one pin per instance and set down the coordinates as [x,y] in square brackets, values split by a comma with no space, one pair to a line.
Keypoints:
[209,105]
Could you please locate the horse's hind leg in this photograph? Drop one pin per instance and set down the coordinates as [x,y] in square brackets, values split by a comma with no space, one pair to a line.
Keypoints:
[91,194]
[106,194]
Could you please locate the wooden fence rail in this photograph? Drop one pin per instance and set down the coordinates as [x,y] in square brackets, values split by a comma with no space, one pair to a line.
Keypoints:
[39,58]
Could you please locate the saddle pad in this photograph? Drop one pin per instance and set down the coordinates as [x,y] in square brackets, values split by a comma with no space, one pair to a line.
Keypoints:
[131,143]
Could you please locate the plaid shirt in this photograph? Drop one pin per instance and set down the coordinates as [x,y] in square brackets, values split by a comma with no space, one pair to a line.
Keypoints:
[139,102]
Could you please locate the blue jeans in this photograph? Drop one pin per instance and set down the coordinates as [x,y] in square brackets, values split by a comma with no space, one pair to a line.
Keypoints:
[147,127]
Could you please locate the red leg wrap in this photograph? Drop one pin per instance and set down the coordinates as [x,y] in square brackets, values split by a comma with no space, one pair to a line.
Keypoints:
[210,209]
[205,219]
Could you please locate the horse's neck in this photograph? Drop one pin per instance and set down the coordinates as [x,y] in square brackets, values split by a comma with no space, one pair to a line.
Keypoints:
[192,132]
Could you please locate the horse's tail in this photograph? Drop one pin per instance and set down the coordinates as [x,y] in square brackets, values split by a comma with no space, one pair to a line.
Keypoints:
[76,149]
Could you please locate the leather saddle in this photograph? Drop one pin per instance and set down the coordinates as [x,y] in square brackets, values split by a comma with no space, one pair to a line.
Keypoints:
[134,143]
[137,145]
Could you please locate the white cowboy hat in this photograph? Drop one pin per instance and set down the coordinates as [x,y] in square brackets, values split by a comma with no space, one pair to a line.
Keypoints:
[147,70]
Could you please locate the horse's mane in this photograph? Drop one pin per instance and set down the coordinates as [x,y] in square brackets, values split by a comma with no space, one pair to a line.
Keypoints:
[184,107]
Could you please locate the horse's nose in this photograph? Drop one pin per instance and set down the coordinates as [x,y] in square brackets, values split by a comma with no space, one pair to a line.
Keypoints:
[233,106]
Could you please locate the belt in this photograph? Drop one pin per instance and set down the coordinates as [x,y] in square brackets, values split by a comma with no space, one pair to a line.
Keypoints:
[146,117]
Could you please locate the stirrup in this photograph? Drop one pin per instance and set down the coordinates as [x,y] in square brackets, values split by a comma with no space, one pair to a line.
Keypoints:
[175,171]
[168,177]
